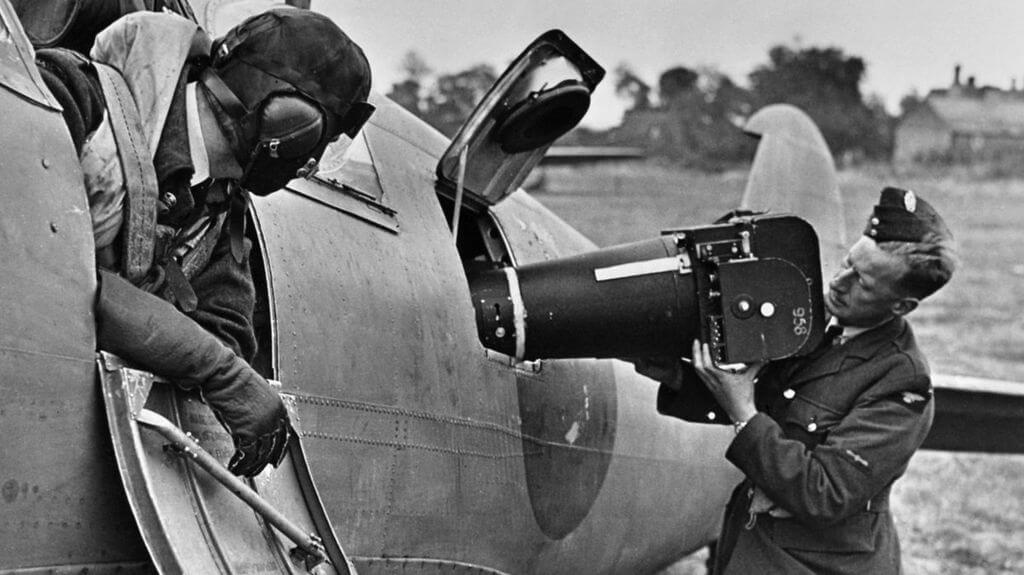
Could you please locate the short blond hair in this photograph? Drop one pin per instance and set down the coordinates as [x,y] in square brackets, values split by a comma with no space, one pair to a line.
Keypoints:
[930,262]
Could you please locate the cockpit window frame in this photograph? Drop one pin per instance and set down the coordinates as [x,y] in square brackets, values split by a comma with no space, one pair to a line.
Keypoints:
[343,192]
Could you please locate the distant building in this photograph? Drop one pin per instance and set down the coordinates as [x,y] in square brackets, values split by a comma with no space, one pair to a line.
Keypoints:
[649,128]
[963,124]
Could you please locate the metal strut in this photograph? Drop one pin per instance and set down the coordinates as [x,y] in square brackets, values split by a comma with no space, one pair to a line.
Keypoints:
[190,450]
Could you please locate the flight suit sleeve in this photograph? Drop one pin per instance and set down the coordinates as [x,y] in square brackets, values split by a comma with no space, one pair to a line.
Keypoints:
[862,451]
[226,297]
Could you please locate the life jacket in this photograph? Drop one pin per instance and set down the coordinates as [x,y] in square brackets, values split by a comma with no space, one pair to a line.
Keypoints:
[139,60]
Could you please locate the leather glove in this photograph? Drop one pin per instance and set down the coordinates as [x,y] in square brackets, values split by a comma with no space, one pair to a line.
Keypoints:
[253,413]
[150,332]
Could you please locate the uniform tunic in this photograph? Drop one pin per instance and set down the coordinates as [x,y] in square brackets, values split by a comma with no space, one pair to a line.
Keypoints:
[834,431]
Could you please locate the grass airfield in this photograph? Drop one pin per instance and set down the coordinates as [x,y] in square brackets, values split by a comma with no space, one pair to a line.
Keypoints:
[957,513]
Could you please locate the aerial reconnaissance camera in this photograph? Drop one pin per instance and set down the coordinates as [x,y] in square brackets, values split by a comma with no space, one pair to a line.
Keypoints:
[749,286]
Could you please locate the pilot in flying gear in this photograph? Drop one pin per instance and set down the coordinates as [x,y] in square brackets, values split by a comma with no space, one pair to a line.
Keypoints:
[822,438]
[173,132]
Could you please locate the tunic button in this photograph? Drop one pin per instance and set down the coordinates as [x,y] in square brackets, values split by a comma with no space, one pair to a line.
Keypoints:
[875,222]
[789,394]
[812,426]
[711,416]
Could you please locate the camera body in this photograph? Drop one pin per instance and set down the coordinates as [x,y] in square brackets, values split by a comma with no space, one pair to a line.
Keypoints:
[751,288]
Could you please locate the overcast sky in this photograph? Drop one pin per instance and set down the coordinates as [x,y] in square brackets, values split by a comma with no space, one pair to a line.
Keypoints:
[906,44]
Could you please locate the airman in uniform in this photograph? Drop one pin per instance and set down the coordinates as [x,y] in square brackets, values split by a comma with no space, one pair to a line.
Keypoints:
[173,132]
[822,438]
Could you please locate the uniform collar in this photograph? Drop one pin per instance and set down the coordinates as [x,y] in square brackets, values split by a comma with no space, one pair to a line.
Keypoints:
[850,332]
[856,350]
[870,339]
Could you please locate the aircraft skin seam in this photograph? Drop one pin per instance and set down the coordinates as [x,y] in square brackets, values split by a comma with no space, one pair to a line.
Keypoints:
[420,446]
[454,451]
[446,564]
[46,354]
[389,410]
[385,410]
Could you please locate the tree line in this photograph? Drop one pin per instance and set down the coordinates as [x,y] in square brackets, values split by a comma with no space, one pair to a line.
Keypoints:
[692,116]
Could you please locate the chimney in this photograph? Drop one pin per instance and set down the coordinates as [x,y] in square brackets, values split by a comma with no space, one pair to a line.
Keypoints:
[970,82]
[1013,84]
[956,75]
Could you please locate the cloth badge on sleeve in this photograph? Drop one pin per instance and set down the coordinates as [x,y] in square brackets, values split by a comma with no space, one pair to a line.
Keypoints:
[857,459]
[913,400]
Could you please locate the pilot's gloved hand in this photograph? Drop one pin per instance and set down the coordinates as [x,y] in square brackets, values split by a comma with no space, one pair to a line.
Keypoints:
[251,457]
[252,411]
[149,332]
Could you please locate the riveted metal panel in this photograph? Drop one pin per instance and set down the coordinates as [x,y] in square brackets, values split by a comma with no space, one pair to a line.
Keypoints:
[60,501]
